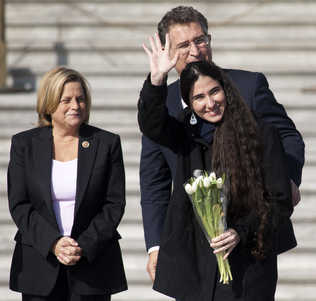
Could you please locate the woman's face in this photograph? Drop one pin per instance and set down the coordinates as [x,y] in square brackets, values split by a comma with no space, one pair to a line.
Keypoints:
[71,110]
[208,99]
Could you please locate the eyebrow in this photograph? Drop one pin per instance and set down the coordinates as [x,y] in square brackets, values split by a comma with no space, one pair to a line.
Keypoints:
[215,88]
[197,96]
[202,94]
[66,96]
[187,41]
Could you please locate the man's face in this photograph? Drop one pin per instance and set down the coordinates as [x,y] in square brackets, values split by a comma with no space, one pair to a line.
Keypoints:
[188,39]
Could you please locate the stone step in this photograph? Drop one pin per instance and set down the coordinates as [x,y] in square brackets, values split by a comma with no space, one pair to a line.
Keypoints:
[111,99]
[288,263]
[131,151]
[132,213]
[303,212]
[131,147]
[110,85]
[101,37]
[292,268]
[125,121]
[132,178]
[116,63]
[147,12]
[135,293]
[133,235]
[145,293]
[285,292]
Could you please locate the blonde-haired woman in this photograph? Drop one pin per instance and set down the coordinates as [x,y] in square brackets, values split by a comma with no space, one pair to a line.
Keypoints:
[66,190]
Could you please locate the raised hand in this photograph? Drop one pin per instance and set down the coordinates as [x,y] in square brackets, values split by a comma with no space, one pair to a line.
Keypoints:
[159,59]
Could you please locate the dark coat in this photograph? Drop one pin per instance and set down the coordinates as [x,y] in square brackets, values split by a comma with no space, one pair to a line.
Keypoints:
[186,266]
[99,206]
[158,163]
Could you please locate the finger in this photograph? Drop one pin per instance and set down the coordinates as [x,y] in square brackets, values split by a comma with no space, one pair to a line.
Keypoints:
[152,274]
[158,42]
[63,259]
[67,263]
[72,250]
[224,248]
[151,270]
[70,241]
[74,259]
[220,237]
[147,51]
[221,240]
[152,44]
[185,54]
[175,58]
[228,252]
[167,42]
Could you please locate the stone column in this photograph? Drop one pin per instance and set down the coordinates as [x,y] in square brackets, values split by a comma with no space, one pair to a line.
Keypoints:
[3,66]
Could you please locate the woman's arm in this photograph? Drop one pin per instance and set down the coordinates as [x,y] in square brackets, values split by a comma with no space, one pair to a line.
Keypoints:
[102,227]
[35,229]
[275,173]
[153,117]
[277,189]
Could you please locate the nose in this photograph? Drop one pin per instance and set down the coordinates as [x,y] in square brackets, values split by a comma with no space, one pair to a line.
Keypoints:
[210,103]
[194,50]
[74,103]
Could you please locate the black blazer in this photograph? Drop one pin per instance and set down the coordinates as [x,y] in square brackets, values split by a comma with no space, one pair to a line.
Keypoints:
[158,163]
[100,203]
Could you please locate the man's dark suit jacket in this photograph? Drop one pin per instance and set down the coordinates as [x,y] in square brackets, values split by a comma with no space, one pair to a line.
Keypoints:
[158,163]
[99,206]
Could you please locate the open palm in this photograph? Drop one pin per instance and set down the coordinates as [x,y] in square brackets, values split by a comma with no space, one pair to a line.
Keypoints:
[159,59]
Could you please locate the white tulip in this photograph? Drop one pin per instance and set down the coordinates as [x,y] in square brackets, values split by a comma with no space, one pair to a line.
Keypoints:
[199,178]
[212,177]
[206,182]
[188,189]
[219,183]
[194,186]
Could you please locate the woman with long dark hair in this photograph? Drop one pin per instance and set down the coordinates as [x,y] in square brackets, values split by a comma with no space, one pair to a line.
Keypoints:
[217,132]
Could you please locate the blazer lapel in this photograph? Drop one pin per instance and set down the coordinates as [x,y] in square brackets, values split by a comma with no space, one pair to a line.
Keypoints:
[42,158]
[87,150]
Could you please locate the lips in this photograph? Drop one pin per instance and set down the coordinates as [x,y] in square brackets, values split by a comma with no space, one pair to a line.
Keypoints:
[73,115]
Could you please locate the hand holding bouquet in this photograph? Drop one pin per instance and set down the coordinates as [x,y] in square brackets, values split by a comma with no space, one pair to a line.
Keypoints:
[210,207]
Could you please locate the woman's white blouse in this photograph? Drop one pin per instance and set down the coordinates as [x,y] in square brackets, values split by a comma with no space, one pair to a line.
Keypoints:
[63,189]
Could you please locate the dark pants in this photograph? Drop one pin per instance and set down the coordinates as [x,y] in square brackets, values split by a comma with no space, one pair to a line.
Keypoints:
[61,292]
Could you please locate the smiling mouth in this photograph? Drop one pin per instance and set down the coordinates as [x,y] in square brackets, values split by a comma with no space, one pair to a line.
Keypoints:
[73,115]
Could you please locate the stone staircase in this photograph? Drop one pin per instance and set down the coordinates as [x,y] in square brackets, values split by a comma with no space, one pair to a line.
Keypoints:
[102,39]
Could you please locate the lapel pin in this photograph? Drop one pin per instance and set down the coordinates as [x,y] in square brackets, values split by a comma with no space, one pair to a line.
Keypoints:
[85,144]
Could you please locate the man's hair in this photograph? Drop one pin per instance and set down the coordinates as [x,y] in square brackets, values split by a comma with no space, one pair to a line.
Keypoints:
[180,15]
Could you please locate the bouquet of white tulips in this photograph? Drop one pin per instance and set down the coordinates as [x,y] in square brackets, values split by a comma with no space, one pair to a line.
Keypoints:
[210,207]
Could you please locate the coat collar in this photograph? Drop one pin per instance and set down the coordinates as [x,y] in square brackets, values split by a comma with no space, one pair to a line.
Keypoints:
[42,146]
[87,150]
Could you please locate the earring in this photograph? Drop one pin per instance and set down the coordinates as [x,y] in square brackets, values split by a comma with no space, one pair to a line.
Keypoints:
[193,120]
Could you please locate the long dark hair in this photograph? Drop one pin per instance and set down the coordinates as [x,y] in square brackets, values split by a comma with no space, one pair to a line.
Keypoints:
[237,150]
